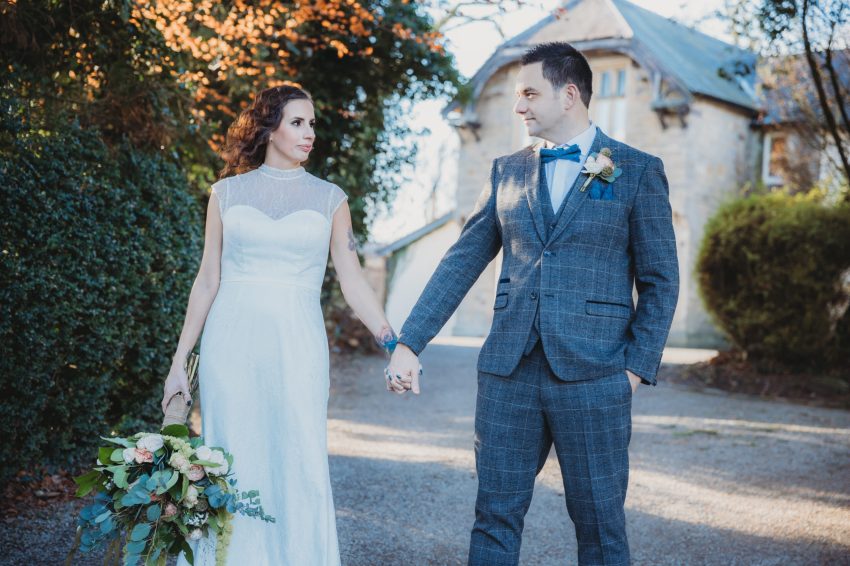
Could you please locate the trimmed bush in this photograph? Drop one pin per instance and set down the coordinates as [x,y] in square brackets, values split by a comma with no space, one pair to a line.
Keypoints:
[770,272]
[98,251]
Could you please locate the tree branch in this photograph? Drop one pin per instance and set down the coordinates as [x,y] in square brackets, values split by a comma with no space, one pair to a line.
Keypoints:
[822,97]
[833,79]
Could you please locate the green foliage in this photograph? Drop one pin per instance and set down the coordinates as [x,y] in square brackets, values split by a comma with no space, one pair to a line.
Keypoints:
[770,272]
[58,50]
[99,248]
[101,234]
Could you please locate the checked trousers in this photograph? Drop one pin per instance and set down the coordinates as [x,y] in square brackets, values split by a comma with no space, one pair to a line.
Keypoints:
[517,419]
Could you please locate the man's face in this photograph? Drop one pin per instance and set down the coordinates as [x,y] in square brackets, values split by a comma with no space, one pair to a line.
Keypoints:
[540,106]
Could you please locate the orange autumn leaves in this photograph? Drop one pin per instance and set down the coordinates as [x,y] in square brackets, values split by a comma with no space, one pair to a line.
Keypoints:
[254,40]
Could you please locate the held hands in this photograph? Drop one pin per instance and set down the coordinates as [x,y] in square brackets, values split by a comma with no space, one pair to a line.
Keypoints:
[404,371]
[177,383]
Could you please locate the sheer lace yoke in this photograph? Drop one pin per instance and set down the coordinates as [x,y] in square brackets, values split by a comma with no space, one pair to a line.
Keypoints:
[278,193]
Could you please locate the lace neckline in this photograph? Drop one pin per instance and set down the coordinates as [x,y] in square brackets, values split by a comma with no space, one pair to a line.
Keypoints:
[284,174]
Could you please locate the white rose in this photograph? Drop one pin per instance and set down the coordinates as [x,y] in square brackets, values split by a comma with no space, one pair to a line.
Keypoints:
[593,166]
[217,457]
[203,452]
[179,462]
[191,498]
[129,455]
[196,534]
[151,442]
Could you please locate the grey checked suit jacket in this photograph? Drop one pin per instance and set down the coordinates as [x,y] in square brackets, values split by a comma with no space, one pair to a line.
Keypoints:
[580,270]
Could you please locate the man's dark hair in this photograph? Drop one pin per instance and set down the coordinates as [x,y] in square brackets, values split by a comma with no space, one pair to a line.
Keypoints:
[562,64]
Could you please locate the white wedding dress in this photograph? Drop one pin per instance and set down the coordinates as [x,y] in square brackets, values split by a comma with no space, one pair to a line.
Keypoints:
[264,366]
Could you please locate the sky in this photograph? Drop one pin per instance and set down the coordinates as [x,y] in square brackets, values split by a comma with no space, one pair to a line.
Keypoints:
[435,169]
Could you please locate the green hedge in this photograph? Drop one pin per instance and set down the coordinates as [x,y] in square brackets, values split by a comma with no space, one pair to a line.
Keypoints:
[769,272]
[98,250]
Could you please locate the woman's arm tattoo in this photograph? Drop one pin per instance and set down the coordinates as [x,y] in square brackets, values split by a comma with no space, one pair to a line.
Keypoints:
[387,339]
[352,243]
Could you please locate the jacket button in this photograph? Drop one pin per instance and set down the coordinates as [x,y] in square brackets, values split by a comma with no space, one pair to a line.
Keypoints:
[533,295]
[547,253]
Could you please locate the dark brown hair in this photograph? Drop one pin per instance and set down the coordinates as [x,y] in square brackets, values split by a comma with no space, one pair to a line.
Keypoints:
[562,64]
[245,146]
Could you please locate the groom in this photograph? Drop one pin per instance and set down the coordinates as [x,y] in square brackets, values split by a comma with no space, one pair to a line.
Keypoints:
[567,347]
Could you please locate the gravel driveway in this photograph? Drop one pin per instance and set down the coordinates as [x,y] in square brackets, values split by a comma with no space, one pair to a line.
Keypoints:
[716,479]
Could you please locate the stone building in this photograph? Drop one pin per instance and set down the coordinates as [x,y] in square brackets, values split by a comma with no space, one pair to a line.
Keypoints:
[659,86]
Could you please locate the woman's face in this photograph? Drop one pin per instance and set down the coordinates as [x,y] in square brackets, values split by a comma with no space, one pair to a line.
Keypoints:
[293,139]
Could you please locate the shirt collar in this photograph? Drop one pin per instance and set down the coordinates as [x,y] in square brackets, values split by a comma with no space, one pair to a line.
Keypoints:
[584,140]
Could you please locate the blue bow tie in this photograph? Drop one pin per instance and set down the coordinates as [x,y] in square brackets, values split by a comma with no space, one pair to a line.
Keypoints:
[571,153]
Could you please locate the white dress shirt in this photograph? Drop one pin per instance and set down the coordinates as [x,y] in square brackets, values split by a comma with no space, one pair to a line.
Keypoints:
[562,173]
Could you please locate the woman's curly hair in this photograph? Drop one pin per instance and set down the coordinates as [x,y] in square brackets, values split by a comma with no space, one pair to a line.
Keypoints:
[245,146]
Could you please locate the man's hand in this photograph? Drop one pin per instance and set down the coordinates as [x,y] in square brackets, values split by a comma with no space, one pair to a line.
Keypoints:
[403,372]
[634,380]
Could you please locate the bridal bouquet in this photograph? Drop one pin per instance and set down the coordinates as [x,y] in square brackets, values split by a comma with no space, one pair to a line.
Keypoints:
[160,490]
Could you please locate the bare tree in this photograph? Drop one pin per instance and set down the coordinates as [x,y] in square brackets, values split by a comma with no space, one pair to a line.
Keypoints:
[809,35]
[456,14]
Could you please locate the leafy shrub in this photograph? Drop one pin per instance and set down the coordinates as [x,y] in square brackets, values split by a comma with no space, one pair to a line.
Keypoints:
[98,250]
[772,272]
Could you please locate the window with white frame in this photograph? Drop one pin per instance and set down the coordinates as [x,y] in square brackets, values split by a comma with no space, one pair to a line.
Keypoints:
[775,159]
[608,105]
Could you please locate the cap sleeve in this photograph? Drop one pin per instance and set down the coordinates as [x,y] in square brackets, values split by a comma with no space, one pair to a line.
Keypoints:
[219,189]
[336,198]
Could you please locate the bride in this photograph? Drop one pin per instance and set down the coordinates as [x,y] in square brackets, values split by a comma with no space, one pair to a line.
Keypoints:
[264,352]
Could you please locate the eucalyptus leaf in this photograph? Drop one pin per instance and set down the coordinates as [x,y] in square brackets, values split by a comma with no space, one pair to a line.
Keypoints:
[86,513]
[140,532]
[156,552]
[171,481]
[130,499]
[120,478]
[164,481]
[135,547]
[152,481]
[154,512]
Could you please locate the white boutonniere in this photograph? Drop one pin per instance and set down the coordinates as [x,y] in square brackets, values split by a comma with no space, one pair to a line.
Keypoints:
[600,165]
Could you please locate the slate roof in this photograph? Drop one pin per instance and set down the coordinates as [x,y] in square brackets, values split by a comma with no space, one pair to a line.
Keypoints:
[693,57]
[686,57]
[789,79]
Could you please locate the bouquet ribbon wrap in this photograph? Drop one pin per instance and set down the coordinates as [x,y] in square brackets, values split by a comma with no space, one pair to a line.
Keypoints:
[177,411]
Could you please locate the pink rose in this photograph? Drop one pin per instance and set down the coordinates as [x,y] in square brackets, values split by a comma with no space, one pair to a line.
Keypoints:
[196,472]
[170,510]
[143,455]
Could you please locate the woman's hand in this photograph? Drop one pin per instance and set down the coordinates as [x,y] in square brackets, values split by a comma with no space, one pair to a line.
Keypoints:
[177,383]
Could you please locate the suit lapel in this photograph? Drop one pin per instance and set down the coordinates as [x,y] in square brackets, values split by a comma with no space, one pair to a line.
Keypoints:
[575,197]
[532,191]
